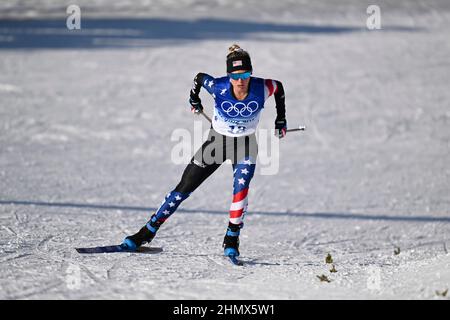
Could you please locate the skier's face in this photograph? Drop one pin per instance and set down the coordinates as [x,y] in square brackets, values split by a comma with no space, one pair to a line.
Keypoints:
[241,84]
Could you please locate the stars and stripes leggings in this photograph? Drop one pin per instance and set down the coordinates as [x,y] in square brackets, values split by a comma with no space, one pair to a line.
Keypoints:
[242,151]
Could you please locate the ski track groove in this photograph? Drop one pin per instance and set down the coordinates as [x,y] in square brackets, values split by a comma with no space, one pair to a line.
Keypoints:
[44,242]
[90,274]
[10,230]
[63,260]
[22,221]
[14,256]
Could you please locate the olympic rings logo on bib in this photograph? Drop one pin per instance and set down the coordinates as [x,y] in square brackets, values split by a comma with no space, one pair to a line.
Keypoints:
[239,108]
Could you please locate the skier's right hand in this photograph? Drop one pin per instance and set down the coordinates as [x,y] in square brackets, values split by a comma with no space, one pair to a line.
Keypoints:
[196,105]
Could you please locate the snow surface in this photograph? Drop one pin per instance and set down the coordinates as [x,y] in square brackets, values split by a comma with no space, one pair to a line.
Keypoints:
[85,144]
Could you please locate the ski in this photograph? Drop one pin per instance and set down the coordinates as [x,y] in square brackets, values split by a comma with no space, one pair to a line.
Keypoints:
[115,249]
[234,260]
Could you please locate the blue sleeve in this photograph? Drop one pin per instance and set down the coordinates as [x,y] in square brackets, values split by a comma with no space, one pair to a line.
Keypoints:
[209,83]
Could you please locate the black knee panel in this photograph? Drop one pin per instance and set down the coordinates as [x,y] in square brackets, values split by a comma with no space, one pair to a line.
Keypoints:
[193,176]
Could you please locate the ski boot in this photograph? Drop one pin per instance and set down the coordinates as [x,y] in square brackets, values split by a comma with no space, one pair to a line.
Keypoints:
[231,240]
[143,236]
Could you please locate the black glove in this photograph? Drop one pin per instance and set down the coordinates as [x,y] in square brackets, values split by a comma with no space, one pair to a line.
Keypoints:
[280,127]
[196,105]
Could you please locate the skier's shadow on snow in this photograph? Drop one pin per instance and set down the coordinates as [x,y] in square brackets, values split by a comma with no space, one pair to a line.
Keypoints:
[150,32]
[149,250]
[315,215]
[254,262]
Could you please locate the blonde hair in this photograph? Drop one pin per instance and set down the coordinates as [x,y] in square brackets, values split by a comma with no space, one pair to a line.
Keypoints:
[234,48]
[236,51]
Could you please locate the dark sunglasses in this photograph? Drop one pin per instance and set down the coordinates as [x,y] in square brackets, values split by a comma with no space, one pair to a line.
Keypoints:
[237,76]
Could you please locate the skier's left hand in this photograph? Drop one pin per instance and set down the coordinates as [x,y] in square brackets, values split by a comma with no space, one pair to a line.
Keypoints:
[280,127]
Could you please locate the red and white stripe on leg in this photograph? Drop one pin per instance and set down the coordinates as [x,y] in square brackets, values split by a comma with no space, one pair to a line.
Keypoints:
[239,206]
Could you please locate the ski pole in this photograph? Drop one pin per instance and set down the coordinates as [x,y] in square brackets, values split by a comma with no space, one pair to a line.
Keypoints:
[300,128]
[205,115]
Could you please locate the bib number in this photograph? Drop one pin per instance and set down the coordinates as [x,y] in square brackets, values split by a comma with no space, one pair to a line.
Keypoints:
[236,129]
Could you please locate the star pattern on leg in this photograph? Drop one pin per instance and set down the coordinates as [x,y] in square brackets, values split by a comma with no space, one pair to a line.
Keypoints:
[171,204]
[244,171]
[178,198]
[241,181]
[166,212]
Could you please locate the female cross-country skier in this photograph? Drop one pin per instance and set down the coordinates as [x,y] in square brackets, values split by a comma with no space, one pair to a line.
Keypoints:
[239,100]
